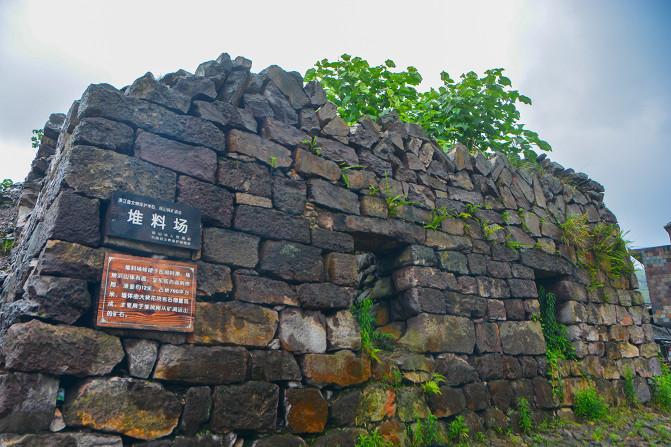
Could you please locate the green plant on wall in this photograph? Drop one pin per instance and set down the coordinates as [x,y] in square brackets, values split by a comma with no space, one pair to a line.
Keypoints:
[372,340]
[478,111]
[661,389]
[36,138]
[312,145]
[372,439]
[426,432]
[432,386]
[558,345]
[345,169]
[587,404]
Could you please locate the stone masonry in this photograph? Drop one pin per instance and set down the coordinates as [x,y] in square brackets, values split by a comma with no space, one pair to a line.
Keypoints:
[657,262]
[287,247]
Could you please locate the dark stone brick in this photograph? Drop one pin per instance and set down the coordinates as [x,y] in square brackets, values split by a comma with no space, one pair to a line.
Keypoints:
[255,407]
[282,133]
[148,88]
[259,148]
[522,288]
[28,402]
[449,402]
[58,299]
[502,394]
[412,276]
[456,370]
[515,310]
[257,105]
[243,176]
[477,396]
[522,337]
[497,366]
[197,406]
[214,280]
[419,255]
[332,240]
[207,365]
[498,269]
[73,260]
[397,230]
[230,247]
[74,218]
[487,338]
[274,366]
[282,108]
[225,115]
[271,224]
[285,440]
[325,296]
[344,408]
[493,288]
[196,161]
[306,410]
[465,305]
[477,264]
[105,134]
[546,263]
[328,195]
[453,261]
[290,86]
[289,195]
[417,300]
[215,204]
[234,86]
[292,261]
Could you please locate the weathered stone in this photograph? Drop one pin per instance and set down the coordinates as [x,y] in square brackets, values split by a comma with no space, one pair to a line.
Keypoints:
[259,148]
[487,338]
[257,105]
[343,368]
[213,280]
[444,241]
[98,173]
[418,255]
[255,407]
[292,261]
[215,204]
[522,288]
[197,405]
[62,258]
[569,290]
[493,287]
[286,440]
[412,276]
[28,402]
[197,161]
[477,396]
[326,194]
[377,402]
[400,231]
[342,331]
[282,133]
[73,218]
[332,240]
[289,195]
[439,333]
[71,439]
[411,404]
[456,370]
[417,300]
[274,366]
[325,296]
[282,108]
[196,88]
[309,164]
[306,410]
[230,247]
[571,312]
[207,365]
[546,263]
[141,356]
[242,198]
[234,86]
[344,407]
[522,337]
[103,100]
[341,437]
[225,115]
[502,394]
[288,85]
[104,134]
[342,269]
[260,290]
[77,351]
[132,407]
[246,177]
[302,331]
[449,402]
[234,323]
[271,224]
[497,366]
[63,300]
[453,261]
[147,88]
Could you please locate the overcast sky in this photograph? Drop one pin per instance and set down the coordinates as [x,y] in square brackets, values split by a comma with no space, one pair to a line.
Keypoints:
[598,71]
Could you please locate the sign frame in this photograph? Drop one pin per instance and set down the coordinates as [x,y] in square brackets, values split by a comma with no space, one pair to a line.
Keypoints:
[154,319]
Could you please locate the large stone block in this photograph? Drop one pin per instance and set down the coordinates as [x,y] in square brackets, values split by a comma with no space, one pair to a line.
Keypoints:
[271,224]
[344,368]
[289,195]
[288,84]
[456,370]
[325,296]
[141,356]
[487,338]
[74,218]
[207,365]
[77,351]
[398,230]
[27,402]
[105,134]
[215,204]
[62,258]
[103,100]
[98,173]
[342,269]
[439,333]
[306,410]
[234,323]
[342,331]
[310,164]
[546,263]
[412,276]
[292,261]
[302,331]
[274,366]
[331,196]
[132,407]
[259,148]
[197,408]
[196,161]
[497,366]
[250,406]
[214,280]
[243,176]
[260,290]
[282,133]
[449,402]
[230,247]
[225,115]
[522,337]
[148,88]
[63,300]
[70,439]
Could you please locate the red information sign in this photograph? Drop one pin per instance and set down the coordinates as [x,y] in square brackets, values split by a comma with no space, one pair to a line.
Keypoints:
[146,293]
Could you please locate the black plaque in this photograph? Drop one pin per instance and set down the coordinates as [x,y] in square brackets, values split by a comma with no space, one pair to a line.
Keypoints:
[139,218]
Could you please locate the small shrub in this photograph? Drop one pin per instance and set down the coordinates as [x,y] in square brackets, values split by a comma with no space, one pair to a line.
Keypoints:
[526,419]
[312,145]
[437,217]
[344,171]
[432,386]
[661,389]
[424,433]
[458,431]
[371,338]
[587,404]
[629,388]
[36,138]
[372,439]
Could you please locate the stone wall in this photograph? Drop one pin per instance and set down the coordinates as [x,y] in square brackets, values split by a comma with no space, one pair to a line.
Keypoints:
[657,262]
[289,244]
